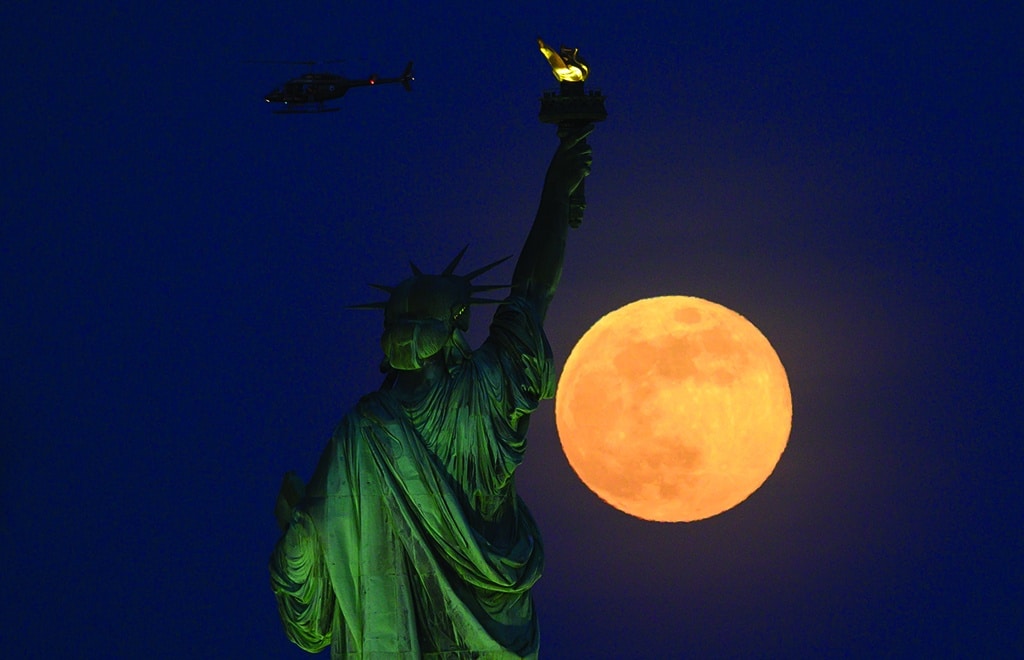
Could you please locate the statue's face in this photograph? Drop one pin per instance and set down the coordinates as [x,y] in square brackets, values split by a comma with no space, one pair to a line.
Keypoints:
[421,316]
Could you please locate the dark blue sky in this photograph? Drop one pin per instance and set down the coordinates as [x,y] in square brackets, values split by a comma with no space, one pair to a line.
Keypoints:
[176,262]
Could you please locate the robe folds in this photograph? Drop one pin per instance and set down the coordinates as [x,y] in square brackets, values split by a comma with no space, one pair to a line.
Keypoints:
[410,540]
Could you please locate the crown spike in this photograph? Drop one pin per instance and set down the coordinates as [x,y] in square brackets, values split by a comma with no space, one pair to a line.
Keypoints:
[415,269]
[450,268]
[484,269]
[380,304]
[383,287]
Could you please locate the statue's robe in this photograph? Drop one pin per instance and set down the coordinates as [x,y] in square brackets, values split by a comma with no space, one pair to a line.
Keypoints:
[411,540]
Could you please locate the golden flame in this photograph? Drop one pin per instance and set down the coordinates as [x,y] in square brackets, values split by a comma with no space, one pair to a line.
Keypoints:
[565,65]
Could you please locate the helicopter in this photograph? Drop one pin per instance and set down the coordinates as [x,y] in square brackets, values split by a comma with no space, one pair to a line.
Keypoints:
[309,92]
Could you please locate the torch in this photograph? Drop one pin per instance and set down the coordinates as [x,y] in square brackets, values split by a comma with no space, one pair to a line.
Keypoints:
[570,107]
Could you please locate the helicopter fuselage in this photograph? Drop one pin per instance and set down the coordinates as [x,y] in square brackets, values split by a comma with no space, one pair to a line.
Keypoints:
[315,88]
[321,87]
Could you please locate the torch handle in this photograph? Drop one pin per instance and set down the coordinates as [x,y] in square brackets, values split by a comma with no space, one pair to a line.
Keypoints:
[577,204]
[572,108]
[578,198]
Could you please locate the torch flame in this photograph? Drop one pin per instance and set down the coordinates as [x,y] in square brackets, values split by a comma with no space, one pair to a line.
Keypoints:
[566,65]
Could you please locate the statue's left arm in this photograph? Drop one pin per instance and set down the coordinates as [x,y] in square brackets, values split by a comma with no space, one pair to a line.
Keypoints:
[301,584]
[539,268]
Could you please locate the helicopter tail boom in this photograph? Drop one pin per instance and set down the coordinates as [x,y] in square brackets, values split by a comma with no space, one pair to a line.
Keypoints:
[405,79]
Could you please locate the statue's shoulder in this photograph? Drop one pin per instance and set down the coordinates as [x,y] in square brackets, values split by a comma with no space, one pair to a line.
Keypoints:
[517,311]
[370,409]
[375,407]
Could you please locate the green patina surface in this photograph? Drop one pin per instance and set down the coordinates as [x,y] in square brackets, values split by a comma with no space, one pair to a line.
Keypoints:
[410,539]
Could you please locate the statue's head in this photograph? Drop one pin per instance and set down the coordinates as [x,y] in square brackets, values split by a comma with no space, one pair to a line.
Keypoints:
[421,316]
[426,314]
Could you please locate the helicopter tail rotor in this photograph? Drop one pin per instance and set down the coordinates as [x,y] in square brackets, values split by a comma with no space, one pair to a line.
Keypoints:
[407,77]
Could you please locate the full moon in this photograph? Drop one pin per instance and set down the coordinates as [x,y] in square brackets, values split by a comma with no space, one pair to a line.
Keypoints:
[673,409]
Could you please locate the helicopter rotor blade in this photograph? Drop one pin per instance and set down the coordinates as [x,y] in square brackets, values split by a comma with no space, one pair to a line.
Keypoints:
[289,62]
[305,62]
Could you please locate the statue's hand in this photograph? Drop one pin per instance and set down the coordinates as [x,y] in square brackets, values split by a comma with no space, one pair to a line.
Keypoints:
[292,491]
[572,160]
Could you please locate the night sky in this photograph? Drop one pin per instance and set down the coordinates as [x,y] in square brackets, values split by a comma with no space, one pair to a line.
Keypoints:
[176,264]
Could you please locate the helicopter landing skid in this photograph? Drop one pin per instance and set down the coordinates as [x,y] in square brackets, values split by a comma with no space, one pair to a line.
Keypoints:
[305,110]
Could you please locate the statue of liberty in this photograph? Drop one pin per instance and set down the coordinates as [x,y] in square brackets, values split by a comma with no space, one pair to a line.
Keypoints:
[410,539]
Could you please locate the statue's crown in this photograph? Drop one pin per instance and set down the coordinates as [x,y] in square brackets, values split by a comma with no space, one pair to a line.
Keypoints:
[445,296]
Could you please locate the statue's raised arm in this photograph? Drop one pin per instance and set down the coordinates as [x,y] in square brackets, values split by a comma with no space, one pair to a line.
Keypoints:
[410,539]
[539,268]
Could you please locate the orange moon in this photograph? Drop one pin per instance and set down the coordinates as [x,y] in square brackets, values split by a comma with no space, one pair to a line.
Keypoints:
[673,408]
